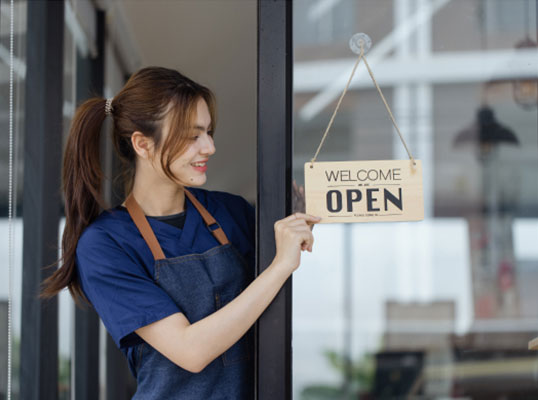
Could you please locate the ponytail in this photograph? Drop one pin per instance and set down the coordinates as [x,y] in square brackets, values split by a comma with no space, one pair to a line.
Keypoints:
[81,185]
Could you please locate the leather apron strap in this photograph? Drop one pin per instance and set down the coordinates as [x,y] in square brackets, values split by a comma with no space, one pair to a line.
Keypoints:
[213,226]
[139,218]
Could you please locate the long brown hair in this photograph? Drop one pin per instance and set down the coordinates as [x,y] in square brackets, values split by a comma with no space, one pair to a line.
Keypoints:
[150,95]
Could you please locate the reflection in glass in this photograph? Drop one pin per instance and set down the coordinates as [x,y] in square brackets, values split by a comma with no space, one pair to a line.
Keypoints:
[443,308]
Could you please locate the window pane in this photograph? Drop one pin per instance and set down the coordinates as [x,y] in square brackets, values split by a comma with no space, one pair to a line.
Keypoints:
[445,307]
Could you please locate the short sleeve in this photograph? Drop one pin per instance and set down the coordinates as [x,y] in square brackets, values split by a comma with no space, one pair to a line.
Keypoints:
[120,289]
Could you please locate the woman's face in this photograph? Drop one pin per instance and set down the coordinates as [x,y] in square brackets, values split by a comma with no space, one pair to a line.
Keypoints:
[190,167]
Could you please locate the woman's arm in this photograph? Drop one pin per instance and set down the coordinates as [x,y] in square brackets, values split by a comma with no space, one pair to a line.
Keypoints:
[194,346]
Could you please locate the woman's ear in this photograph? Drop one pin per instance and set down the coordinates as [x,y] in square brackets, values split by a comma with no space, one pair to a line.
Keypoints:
[142,145]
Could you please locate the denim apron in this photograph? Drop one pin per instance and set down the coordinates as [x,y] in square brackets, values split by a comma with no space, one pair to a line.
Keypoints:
[199,284]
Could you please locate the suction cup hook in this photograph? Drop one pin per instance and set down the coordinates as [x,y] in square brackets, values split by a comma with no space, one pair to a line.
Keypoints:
[357,39]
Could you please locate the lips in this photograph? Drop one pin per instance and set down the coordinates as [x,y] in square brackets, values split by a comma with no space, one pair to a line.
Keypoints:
[200,166]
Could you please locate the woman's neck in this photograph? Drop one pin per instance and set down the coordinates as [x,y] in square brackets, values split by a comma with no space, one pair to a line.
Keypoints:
[158,198]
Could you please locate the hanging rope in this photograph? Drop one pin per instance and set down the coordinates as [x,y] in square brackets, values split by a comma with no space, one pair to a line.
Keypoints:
[389,111]
[337,107]
[10,210]
[361,57]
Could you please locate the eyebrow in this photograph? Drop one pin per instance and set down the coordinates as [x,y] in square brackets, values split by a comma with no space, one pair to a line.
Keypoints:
[199,127]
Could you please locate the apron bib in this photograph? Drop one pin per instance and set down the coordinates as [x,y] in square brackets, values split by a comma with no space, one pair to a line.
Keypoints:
[199,284]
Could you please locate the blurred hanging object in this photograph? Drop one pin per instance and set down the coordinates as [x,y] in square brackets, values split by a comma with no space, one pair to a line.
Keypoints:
[485,132]
[490,221]
[525,90]
[494,277]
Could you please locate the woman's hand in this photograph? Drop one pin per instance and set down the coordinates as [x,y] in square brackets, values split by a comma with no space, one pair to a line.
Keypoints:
[293,234]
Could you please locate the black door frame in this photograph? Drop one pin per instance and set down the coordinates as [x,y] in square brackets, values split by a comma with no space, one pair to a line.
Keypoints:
[274,172]
[41,200]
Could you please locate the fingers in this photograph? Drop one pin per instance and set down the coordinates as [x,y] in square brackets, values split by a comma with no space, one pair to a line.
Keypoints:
[305,236]
[308,242]
[311,219]
[295,230]
[302,216]
[301,222]
[300,219]
[297,219]
[297,222]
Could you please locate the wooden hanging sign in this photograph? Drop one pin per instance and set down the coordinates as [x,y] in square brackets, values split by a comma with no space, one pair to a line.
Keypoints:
[364,191]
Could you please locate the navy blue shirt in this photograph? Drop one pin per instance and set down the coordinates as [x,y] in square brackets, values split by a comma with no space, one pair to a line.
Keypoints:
[116,267]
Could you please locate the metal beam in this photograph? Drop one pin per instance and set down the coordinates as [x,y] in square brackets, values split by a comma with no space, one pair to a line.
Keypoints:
[41,200]
[435,68]
[90,82]
[275,54]
[120,35]
[376,54]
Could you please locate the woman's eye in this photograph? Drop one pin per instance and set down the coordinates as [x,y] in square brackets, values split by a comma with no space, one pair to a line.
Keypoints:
[196,137]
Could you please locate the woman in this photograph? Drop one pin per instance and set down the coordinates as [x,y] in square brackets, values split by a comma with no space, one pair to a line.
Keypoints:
[170,271]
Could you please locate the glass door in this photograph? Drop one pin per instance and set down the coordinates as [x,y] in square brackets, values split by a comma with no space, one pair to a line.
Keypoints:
[442,308]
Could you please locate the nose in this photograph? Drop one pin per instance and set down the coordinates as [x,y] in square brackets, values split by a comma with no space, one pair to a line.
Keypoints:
[208,146]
